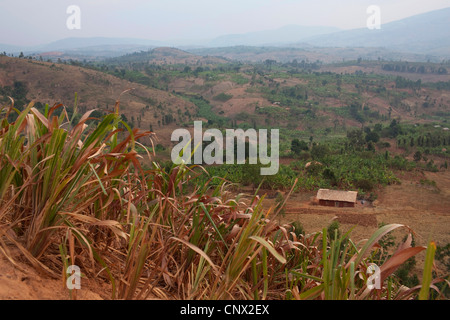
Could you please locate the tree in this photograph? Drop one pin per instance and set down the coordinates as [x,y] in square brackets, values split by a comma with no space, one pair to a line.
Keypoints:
[298,145]
[335,122]
[394,129]
[356,138]
[417,156]
[372,136]
[198,70]
[329,175]
[319,151]
[378,127]
[269,63]
[354,110]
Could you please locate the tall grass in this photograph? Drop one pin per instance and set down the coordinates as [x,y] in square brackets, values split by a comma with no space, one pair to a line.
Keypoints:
[78,191]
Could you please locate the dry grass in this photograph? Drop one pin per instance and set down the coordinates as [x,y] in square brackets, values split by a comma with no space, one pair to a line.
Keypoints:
[78,191]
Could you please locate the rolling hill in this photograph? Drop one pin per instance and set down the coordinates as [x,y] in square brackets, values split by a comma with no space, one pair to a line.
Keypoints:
[166,55]
[168,93]
[45,82]
[310,53]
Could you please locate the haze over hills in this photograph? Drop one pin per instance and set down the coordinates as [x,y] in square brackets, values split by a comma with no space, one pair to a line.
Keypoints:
[281,36]
[419,38]
[98,46]
[427,33]
[78,43]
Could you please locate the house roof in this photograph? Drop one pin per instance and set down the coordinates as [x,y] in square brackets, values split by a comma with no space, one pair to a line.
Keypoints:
[337,195]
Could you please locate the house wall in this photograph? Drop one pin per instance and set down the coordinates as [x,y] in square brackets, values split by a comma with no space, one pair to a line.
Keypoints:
[339,204]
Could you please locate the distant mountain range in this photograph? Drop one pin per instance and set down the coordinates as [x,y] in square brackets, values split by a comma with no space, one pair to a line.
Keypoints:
[281,36]
[426,34]
[101,46]
[79,43]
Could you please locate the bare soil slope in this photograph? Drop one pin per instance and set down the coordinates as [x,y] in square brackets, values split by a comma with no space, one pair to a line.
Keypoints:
[58,83]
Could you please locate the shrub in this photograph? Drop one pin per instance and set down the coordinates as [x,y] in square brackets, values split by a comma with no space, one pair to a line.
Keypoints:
[223,97]
[364,184]
[417,156]
[297,146]
[318,152]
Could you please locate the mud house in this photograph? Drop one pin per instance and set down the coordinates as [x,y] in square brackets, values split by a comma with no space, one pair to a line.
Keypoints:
[336,198]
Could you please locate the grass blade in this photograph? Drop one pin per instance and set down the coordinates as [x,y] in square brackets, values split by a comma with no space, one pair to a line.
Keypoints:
[269,247]
[427,271]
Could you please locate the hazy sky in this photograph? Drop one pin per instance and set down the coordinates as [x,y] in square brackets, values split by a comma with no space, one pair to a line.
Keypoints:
[25,22]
